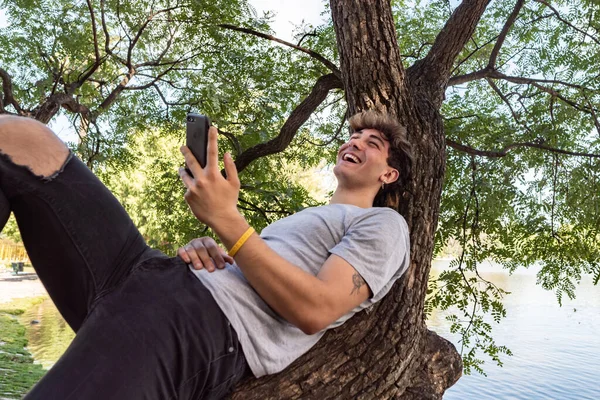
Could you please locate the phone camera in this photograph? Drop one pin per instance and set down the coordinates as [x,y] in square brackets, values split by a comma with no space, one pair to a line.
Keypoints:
[190,119]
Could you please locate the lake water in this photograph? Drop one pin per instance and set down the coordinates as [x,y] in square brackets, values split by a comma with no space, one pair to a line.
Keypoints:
[556,349]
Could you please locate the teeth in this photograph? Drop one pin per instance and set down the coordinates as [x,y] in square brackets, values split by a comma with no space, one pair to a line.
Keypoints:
[351,157]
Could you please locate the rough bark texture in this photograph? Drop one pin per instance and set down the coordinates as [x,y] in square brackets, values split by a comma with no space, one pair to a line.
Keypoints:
[387,351]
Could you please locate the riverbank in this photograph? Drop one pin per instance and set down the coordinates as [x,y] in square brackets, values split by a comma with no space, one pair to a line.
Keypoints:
[18,293]
[24,285]
[18,373]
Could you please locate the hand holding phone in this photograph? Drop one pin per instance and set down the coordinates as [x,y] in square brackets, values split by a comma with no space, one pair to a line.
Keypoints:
[197,137]
[211,196]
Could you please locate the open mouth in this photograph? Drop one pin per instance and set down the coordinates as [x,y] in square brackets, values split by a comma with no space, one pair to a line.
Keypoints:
[351,158]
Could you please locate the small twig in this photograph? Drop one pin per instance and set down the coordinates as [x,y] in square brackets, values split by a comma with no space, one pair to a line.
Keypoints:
[311,53]
[506,149]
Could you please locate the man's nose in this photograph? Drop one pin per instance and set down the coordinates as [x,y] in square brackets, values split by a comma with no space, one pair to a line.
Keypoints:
[356,143]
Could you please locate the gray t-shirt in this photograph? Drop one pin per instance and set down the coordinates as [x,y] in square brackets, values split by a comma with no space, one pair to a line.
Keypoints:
[374,241]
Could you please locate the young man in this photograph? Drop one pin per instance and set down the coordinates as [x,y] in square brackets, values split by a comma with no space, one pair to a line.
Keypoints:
[147,326]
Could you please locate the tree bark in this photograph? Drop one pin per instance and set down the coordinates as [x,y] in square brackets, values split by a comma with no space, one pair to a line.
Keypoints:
[387,351]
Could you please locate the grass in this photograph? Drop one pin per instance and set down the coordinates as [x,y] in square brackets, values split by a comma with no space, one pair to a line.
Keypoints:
[18,373]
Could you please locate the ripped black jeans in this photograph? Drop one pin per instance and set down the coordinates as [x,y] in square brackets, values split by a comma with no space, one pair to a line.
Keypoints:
[146,326]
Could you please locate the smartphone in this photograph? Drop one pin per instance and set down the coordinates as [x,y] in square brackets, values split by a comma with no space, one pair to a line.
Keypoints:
[197,137]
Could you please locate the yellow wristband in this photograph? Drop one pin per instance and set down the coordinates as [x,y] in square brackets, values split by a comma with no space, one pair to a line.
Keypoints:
[240,242]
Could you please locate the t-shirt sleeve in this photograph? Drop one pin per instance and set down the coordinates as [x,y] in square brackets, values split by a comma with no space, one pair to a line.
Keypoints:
[377,247]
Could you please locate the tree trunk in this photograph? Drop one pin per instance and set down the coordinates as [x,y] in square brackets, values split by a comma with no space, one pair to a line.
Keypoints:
[387,351]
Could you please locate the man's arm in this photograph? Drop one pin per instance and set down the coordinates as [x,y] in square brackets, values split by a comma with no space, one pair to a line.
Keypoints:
[311,303]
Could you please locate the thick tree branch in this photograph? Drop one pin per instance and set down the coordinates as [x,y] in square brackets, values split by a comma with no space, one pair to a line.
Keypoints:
[97,59]
[115,92]
[53,103]
[504,152]
[491,66]
[107,48]
[491,71]
[504,32]
[471,76]
[299,116]
[431,74]
[7,90]
[311,53]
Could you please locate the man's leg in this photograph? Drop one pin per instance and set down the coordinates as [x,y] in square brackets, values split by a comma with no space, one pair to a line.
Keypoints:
[79,239]
[159,335]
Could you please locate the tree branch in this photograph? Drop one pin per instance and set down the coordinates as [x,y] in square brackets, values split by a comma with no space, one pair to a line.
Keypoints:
[507,102]
[115,92]
[97,59]
[530,81]
[155,79]
[233,140]
[311,53]
[507,25]
[336,134]
[313,34]
[504,152]
[107,48]
[471,54]
[488,73]
[149,18]
[491,67]
[298,117]
[7,89]
[471,76]
[564,21]
[431,74]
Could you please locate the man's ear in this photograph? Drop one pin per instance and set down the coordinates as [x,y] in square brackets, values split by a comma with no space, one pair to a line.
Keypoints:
[391,175]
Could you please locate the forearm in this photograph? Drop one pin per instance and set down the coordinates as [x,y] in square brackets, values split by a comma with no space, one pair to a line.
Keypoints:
[296,295]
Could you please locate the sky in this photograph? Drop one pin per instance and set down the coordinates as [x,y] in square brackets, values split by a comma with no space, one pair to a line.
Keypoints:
[290,13]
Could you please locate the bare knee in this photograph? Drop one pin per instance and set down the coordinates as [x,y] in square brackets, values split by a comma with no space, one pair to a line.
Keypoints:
[30,143]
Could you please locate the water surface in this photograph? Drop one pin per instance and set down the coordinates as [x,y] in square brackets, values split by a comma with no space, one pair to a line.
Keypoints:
[48,334]
[556,349]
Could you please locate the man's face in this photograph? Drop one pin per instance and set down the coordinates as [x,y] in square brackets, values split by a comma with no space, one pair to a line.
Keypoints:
[363,158]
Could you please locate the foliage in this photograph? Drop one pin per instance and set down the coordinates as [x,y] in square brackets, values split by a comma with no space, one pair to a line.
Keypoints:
[11,230]
[532,207]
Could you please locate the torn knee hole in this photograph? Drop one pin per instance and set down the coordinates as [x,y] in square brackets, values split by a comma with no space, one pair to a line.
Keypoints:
[43,172]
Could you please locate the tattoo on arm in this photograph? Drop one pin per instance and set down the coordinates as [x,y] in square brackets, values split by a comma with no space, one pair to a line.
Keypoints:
[358,282]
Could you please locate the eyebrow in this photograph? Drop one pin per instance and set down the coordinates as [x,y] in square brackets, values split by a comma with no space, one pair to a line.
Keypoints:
[360,131]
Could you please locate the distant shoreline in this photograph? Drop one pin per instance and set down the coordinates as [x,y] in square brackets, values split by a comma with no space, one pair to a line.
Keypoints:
[24,285]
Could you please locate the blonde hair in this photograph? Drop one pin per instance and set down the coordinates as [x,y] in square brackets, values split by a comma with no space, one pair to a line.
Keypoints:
[399,157]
